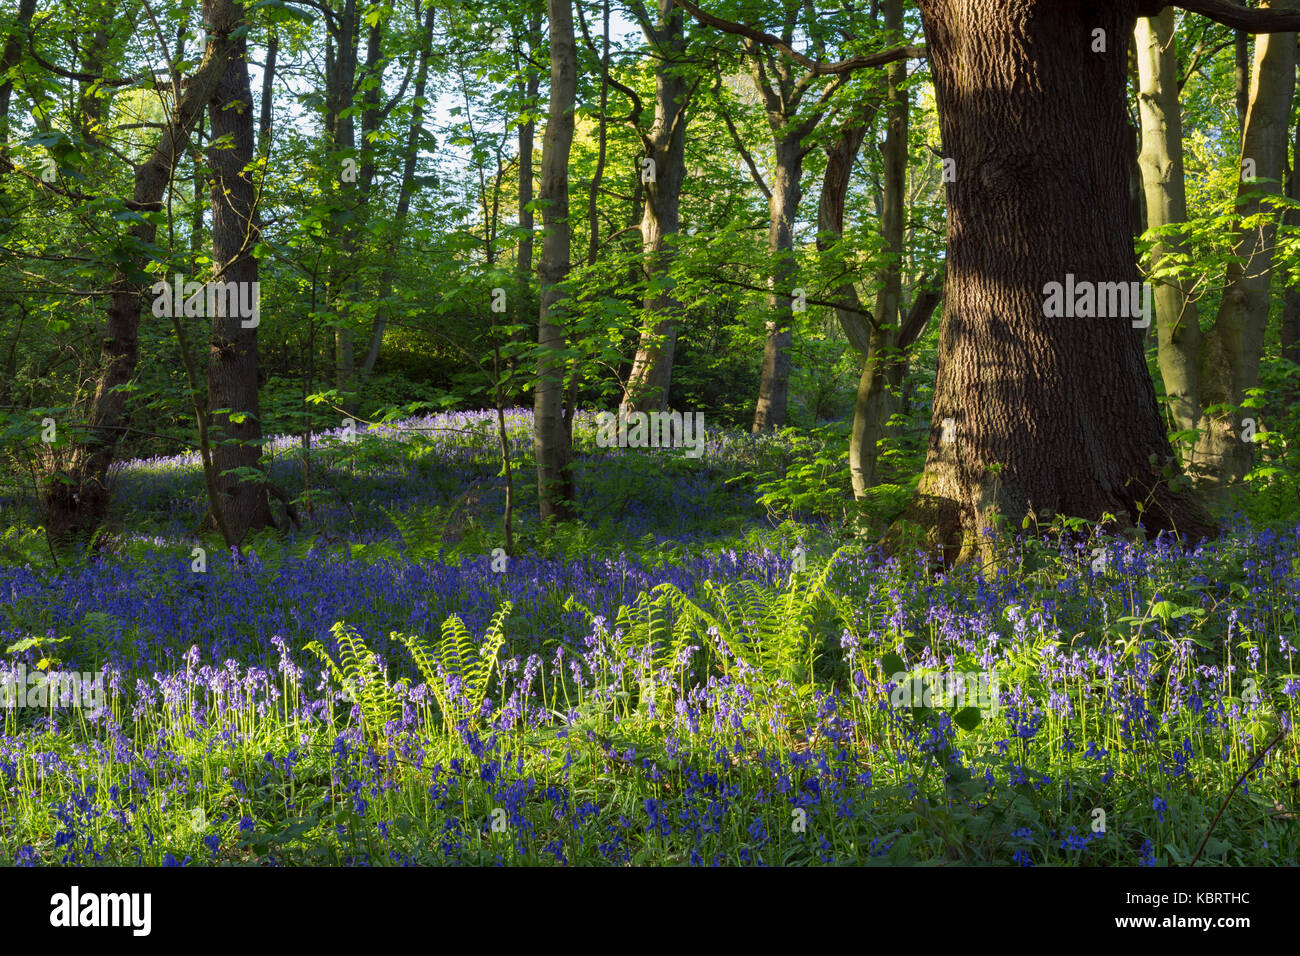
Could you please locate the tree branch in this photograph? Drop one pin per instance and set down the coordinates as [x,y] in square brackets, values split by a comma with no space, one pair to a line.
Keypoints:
[1230,14]
[928,296]
[744,153]
[882,58]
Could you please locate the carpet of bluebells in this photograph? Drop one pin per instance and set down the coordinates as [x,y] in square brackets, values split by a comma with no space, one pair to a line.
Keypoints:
[679,678]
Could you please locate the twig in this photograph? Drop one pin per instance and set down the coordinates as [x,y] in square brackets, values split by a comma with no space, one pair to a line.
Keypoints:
[1240,780]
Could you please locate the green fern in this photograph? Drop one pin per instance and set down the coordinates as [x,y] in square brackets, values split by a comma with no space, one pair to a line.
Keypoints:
[770,633]
[364,683]
[422,531]
[456,670]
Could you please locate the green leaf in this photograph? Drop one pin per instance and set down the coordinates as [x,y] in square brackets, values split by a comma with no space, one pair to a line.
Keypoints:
[892,664]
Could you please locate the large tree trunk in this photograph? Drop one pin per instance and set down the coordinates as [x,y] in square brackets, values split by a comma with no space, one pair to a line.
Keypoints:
[1231,352]
[551,441]
[76,500]
[1047,416]
[232,355]
[652,370]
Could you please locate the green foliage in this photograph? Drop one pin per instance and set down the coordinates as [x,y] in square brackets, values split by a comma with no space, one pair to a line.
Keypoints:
[457,671]
[363,679]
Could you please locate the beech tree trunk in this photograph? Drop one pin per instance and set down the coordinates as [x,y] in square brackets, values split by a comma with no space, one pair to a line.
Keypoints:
[1045,416]
[859,328]
[783,205]
[883,371]
[1204,369]
[551,440]
[232,355]
[879,338]
[1231,351]
[1178,326]
[782,92]
[652,369]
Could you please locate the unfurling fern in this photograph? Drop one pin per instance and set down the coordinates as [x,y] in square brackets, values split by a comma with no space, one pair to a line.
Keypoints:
[455,670]
[364,683]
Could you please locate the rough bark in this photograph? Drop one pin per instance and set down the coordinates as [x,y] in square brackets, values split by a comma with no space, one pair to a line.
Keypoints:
[232,353]
[1047,416]
[551,441]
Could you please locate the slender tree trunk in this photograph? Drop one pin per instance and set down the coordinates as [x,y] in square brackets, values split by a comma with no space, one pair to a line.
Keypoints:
[1136,188]
[404,191]
[76,500]
[232,356]
[9,57]
[1178,327]
[652,369]
[602,143]
[528,88]
[774,386]
[89,118]
[551,441]
[1241,75]
[876,337]
[883,371]
[268,90]
[1231,352]
[341,72]
[1035,416]
[883,349]
[1291,297]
